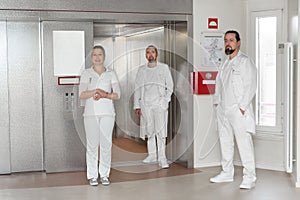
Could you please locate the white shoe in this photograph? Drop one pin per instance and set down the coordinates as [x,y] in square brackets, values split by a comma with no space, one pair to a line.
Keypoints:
[93,182]
[164,164]
[222,178]
[248,183]
[150,159]
[105,181]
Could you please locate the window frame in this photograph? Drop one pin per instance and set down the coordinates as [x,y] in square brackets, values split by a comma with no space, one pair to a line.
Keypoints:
[278,128]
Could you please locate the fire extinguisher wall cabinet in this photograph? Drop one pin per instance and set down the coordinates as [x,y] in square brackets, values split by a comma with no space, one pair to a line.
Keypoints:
[204,82]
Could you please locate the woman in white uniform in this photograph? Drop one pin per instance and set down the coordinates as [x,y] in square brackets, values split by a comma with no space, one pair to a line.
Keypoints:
[99,86]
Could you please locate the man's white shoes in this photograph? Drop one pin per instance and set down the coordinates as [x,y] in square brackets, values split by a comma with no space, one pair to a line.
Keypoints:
[150,159]
[248,183]
[222,178]
[164,164]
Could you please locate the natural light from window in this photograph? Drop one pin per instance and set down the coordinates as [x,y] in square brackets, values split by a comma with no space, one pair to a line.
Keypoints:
[266,62]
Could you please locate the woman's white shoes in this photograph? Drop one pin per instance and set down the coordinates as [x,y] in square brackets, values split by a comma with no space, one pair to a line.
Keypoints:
[93,182]
[105,181]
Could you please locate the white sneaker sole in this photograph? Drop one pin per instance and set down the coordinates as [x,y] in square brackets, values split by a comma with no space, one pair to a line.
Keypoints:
[165,166]
[94,184]
[213,180]
[247,187]
[150,162]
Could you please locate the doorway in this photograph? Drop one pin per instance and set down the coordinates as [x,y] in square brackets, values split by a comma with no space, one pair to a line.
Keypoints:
[125,51]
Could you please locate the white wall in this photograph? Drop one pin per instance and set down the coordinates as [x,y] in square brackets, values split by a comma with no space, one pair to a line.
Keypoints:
[232,14]
[293,37]
[297,148]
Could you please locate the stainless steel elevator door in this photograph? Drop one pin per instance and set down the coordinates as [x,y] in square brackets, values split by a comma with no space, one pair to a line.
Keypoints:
[4,113]
[64,137]
[24,96]
[180,138]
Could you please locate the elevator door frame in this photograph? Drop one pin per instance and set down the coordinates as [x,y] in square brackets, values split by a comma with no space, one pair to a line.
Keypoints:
[180,127]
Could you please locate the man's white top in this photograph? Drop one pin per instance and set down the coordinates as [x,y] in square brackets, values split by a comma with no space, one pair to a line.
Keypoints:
[153,86]
[236,82]
[108,82]
[236,86]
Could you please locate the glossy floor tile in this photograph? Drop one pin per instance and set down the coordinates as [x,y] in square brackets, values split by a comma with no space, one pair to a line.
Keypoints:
[271,185]
[132,180]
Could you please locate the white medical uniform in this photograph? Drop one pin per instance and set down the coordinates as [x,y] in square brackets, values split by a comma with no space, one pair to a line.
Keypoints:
[235,89]
[153,90]
[99,119]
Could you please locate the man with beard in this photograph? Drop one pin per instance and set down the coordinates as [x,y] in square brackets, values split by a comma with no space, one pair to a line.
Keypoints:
[235,89]
[153,90]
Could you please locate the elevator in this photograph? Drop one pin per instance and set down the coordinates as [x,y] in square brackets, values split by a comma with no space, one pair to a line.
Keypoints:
[125,51]
[41,120]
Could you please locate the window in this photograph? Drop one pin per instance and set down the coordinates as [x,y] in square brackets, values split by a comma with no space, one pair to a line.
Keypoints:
[266,32]
[266,62]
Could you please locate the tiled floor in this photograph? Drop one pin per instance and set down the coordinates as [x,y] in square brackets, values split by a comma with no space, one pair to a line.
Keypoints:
[127,155]
[271,185]
[132,180]
[118,174]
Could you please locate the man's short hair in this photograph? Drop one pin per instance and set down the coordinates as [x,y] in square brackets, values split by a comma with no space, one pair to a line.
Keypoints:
[237,35]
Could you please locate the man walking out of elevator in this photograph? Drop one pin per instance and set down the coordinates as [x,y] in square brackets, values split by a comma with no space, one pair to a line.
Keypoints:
[153,90]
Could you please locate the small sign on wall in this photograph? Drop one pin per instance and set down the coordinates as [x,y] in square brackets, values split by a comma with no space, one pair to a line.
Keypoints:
[213,23]
[69,80]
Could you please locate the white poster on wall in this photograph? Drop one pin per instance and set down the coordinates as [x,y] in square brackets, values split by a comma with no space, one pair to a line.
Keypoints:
[68,53]
[213,50]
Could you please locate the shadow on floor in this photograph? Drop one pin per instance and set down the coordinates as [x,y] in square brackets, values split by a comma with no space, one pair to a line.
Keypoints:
[124,151]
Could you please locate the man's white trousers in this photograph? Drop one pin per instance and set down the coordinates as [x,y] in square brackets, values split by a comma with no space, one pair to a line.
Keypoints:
[233,124]
[156,125]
